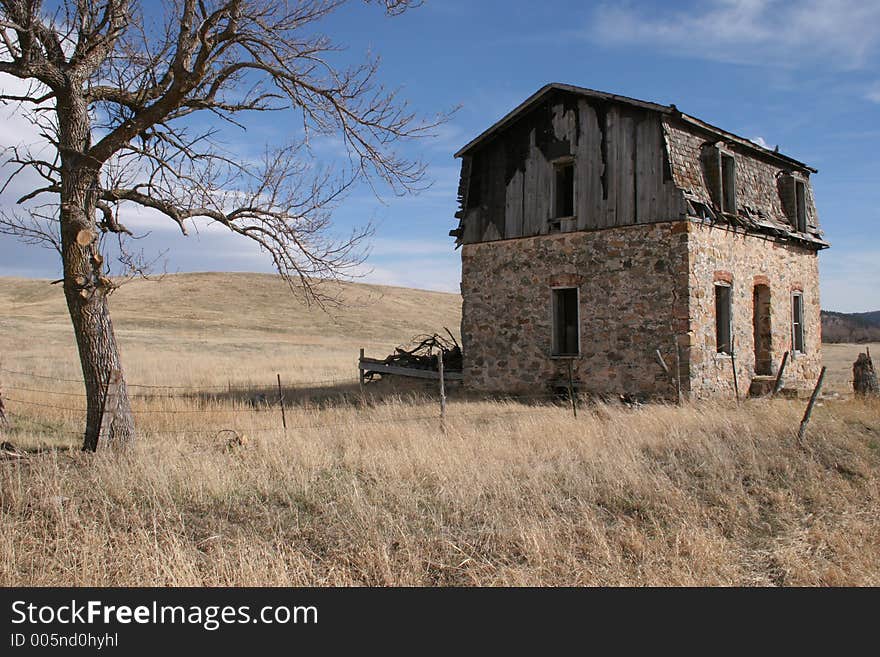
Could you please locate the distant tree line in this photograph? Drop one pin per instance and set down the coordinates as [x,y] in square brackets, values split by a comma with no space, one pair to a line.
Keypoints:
[850,327]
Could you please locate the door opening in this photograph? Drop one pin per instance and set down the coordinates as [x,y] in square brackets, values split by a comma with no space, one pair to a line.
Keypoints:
[761,314]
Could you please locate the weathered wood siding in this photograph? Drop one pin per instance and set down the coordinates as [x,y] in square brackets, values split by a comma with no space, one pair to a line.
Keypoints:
[622,172]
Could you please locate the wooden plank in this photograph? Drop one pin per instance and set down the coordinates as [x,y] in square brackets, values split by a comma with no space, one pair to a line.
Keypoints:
[648,170]
[531,226]
[370,365]
[625,187]
[513,211]
[589,169]
[543,187]
[612,173]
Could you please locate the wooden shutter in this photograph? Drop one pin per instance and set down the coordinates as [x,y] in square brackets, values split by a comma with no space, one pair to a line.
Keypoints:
[711,158]
[788,198]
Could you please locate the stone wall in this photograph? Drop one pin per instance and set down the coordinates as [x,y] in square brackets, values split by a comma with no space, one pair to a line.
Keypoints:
[639,286]
[632,283]
[746,260]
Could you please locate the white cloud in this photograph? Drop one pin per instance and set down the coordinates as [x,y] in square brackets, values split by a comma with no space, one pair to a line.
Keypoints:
[874,94]
[760,142]
[442,274]
[837,34]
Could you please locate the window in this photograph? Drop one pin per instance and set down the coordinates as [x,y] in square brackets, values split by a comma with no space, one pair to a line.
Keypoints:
[797,322]
[563,189]
[566,334]
[728,183]
[723,319]
[800,194]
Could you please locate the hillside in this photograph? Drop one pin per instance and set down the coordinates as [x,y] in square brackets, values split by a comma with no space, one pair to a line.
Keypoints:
[196,329]
[850,327]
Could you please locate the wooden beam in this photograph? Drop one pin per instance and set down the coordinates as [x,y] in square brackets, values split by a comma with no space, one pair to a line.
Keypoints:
[368,365]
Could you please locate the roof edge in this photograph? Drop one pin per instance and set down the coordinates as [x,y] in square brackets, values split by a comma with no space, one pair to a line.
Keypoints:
[742,141]
[532,100]
[520,109]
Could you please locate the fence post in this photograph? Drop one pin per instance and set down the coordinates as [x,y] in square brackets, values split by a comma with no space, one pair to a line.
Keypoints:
[777,386]
[3,420]
[281,401]
[677,371]
[361,377]
[571,387]
[802,432]
[442,392]
[733,366]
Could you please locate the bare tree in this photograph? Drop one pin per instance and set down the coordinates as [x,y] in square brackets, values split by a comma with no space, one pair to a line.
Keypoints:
[113,90]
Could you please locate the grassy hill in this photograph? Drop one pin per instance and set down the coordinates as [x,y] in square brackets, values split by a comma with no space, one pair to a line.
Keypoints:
[248,325]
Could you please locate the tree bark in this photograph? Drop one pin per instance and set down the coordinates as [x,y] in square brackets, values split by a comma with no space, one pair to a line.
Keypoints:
[85,286]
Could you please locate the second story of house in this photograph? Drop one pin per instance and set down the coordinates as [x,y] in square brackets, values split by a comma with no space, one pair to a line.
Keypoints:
[574,159]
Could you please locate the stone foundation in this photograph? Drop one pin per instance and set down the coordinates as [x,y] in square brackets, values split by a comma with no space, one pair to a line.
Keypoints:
[641,288]
[633,297]
[745,261]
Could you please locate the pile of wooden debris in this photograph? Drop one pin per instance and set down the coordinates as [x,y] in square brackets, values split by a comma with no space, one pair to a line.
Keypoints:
[423,353]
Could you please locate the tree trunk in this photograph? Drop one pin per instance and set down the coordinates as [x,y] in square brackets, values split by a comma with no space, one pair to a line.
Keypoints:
[85,286]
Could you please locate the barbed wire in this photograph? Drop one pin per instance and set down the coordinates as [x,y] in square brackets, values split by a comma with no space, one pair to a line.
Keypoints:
[229,387]
[265,405]
[321,425]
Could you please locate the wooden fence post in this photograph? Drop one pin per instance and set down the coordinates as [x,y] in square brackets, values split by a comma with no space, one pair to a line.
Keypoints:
[733,366]
[777,386]
[676,380]
[677,371]
[110,406]
[574,409]
[281,401]
[802,432]
[3,420]
[442,393]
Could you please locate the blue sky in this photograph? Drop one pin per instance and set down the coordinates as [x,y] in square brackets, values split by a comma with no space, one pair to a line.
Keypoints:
[803,76]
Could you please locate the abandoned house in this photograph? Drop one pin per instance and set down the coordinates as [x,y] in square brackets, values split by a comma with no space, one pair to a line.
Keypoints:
[596,230]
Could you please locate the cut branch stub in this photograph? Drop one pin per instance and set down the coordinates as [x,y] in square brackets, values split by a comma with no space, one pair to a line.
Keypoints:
[85,237]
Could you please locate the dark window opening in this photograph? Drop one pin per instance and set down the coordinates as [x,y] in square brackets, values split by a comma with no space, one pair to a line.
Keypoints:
[800,192]
[564,190]
[723,319]
[565,322]
[797,322]
[728,183]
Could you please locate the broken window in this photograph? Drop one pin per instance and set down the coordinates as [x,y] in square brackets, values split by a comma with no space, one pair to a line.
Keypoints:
[563,189]
[797,322]
[566,334]
[800,193]
[723,319]
[728,183]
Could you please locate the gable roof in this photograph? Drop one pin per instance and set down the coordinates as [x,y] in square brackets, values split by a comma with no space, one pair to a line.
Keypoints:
[536,98]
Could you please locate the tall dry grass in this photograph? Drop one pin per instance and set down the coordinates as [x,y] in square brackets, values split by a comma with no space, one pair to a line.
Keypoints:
[512,494]
[713,494]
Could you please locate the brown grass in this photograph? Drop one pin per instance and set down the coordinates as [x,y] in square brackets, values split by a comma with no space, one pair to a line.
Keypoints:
[711,494]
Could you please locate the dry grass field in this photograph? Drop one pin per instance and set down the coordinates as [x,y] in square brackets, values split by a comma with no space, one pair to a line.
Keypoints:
[511,494]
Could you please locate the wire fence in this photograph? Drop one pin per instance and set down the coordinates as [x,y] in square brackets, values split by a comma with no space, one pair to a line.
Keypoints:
[253,400]
[229,399]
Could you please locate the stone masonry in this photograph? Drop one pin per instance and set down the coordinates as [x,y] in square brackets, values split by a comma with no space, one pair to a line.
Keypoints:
[633,296]
[641,288]
[745,260]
